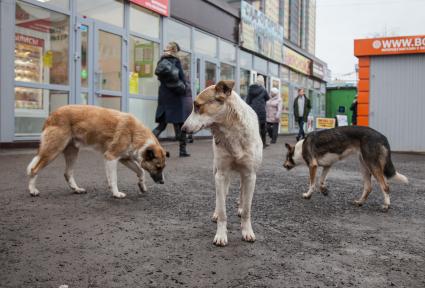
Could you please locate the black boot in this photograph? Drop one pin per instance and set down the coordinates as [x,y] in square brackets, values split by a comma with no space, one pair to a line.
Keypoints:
[182,141]
[182,148]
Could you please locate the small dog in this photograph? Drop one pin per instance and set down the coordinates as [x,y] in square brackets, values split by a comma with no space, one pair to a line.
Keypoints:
[323,148]
[119,136]
[237,146]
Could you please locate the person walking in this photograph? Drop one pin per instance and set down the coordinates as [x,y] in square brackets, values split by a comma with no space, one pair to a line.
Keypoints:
[302,107]
[172,91]
[353,108]
[257,98]
[273,111]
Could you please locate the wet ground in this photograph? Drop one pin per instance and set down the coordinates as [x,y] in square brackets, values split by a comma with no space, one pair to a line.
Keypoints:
[163,238]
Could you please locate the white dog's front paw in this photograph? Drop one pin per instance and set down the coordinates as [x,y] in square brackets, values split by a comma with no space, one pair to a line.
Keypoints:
[142,187]
[220,239]
[119,195]
[307,195]
[34,192]
[248,235]
[214,217]
[79,190]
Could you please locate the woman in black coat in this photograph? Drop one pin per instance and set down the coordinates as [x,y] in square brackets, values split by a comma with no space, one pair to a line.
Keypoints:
[257,98]
[171,106]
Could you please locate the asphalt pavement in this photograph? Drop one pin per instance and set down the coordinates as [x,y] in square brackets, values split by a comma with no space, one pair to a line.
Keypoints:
[163,238]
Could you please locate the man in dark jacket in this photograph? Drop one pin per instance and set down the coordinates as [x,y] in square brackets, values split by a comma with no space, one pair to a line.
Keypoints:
[257,98]
[302,107]
[171,107]
[353,108]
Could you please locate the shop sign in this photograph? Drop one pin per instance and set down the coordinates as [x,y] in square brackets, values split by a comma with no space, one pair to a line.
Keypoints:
[318,70]
[325,123]
[21,38]
[390,45]
[296,61]
[158,6]
[259,33]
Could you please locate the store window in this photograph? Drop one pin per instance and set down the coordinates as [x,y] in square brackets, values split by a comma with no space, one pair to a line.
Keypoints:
[33,105]
[110,102]
[109,61]
[227,52]
[41,45]
[144,56]
[144,110]
[227,72]
[273,69]
[284,73]
[186,61]
[108,11]
[245,59]
[179,33]
[260,64]
[244,82]
[144,22]
[205,44]
[58,3]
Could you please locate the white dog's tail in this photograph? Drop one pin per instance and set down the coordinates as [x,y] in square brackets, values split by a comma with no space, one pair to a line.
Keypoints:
[400,178]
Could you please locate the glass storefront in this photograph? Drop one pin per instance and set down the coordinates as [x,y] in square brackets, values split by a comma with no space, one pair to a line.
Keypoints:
[41,59]
[33,105]
[107,11]
[107,56]
[143,21]
[244,79]
[144,55]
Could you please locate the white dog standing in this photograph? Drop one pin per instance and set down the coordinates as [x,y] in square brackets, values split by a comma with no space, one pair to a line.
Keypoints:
[237,147]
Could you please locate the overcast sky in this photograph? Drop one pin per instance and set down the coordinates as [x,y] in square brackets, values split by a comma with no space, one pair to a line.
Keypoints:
[339,22]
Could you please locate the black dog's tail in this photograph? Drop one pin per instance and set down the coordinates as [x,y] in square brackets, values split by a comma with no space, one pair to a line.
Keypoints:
[390,172]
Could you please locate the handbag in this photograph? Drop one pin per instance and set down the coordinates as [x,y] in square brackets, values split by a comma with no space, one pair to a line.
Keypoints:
[168,73]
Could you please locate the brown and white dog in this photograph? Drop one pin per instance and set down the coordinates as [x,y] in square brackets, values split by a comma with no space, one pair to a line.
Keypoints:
[237,147]
[119,136]
[324,148]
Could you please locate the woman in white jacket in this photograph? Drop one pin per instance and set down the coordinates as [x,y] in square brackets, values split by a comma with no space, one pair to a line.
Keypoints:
[273,110]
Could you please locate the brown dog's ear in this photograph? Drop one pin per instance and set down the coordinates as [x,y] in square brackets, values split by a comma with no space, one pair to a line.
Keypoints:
[149,154]
[224,87]
[288,146]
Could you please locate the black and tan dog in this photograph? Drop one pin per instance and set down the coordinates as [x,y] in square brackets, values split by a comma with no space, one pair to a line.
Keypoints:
[324,148]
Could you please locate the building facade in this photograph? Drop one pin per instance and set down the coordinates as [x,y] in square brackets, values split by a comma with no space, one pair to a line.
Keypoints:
[104,52]
[391,89]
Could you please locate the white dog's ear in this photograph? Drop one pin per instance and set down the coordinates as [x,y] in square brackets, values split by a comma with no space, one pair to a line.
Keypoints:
[224,87]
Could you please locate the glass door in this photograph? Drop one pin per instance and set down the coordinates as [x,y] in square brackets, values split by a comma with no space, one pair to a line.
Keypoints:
[84,62]
[206,72]
[99,65]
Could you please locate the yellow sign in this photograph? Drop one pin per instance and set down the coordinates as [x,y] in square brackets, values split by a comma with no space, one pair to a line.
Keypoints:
[325,123]
[285,98]
[284,122]
[48,59]
[134,83]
